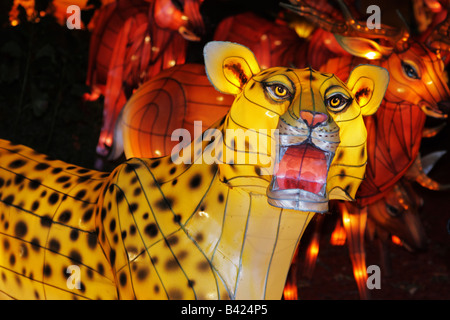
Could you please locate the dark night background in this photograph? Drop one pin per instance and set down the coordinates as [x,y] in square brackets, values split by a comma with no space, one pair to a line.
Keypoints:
[42,79]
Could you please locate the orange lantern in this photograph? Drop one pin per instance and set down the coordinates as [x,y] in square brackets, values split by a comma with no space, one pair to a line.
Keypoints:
[173,99]
[354,222]
[338,236]
[142,47]
[109,21]
[312,250]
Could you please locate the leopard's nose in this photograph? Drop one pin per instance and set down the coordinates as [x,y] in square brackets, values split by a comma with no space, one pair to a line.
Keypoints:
[313,119]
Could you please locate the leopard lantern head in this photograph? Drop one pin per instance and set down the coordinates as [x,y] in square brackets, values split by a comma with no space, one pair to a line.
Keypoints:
[313,119]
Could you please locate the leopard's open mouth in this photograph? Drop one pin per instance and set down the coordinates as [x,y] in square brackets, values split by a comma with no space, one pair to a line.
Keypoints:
[300,178]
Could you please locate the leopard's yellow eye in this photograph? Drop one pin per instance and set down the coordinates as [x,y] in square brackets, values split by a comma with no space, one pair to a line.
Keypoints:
[278,91]
[337,102]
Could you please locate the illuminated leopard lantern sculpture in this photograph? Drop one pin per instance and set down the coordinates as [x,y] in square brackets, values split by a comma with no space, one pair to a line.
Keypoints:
[153,229]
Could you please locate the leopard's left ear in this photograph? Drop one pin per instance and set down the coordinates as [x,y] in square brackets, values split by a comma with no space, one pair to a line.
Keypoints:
[229,65]
[368,84]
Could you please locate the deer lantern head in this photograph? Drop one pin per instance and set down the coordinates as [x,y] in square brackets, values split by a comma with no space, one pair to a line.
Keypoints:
[181,15]
[416,70]
[417,83]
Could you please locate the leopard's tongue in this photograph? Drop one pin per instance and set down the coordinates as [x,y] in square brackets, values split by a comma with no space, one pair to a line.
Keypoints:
[302,167]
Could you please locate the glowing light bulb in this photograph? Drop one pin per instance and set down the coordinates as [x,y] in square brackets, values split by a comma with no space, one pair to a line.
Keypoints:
[371,55]
[396,240]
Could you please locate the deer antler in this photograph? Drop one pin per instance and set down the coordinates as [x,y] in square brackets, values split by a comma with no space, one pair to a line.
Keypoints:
[349,27]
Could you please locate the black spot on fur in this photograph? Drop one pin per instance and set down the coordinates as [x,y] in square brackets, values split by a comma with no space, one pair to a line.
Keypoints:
[98,186]
[101,269]
[151,230]
[65,216]
[83,178]
[35,205]
[137,191]
[46,221]
[171,264]
[87,215]
[112,225]
[12,259]
[18,179]
[54,245]
[41,166]
[142,273]
[155,164]
[47,270]
[119,196]
[177,218]
[195,181]
[74,234]
[164,204]
[203,266]
[53,199]
[199,237]
[171,241]
[123,279]
[75,256]
[103,215]
[63,179]
[134,207]
[56,170]
[92,240]
[130,167]
[80,194]
[34,184]
[9,199]
[112,256]
[6,244]
[16,164]
[191,283]
[20,229]
[35,244]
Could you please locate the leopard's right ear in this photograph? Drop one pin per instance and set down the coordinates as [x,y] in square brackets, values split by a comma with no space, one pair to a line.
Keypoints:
[229,65]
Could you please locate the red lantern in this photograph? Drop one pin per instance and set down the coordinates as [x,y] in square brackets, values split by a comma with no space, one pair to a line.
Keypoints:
[142,47]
